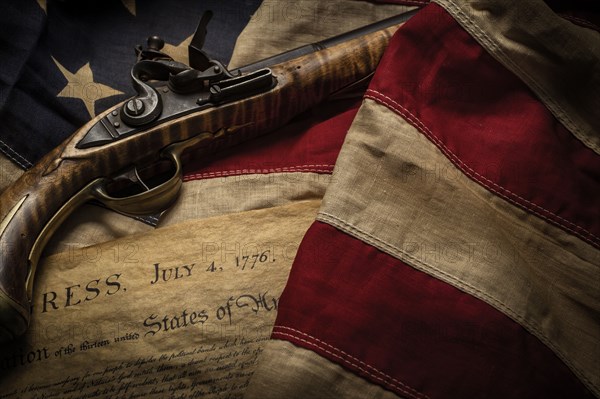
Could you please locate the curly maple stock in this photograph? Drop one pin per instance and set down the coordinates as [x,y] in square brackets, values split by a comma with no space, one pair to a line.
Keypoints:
[28,205]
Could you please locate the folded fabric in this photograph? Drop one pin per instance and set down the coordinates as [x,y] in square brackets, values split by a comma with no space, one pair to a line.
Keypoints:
[456,250]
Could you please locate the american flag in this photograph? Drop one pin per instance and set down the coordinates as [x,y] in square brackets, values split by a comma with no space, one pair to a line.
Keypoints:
[456,251]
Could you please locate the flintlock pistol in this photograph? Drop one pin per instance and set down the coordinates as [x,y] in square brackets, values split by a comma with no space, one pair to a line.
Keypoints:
[176,108]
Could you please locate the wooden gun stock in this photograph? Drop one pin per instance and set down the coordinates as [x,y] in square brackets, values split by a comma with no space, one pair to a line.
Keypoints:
[33,207]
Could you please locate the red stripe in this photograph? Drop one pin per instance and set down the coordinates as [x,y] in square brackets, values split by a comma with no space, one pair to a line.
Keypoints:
[409,332]
[488,123]
[309,144]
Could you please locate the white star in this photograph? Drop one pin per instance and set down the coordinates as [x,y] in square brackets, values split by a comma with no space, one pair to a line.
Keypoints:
[130,5]
[43,4]
[179,52]
[81,85]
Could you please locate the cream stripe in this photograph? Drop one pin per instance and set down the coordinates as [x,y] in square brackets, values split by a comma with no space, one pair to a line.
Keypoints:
[291,372]
[414,204]
[230,194]
[489,184]
[558,60]
[198,199]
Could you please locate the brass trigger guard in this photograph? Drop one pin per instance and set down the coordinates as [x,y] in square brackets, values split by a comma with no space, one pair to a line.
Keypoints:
[149,202]
[153,201]
[157,199]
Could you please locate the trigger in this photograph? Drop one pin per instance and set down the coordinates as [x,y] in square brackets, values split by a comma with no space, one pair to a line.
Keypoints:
[133,176]
[139,180]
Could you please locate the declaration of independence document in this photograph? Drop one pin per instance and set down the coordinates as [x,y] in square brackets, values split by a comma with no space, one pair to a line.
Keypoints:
[181,312]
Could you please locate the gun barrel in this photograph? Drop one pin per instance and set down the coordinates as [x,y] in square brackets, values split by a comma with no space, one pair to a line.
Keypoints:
[327,43]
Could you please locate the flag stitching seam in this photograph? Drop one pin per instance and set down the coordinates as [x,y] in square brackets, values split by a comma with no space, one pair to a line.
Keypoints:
[225,173]
[344,357]
[452,280]
[469,24]
[7,151]
[491,185]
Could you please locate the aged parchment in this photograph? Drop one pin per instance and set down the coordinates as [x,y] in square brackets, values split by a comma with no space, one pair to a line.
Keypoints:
[181,312]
